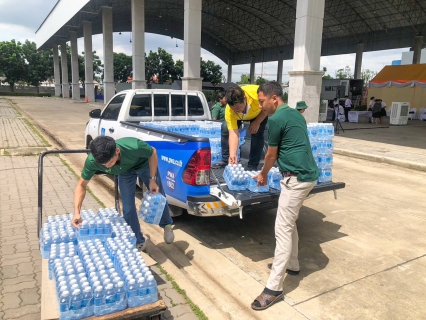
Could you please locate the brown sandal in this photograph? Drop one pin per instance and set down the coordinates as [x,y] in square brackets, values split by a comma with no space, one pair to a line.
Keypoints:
[266,300]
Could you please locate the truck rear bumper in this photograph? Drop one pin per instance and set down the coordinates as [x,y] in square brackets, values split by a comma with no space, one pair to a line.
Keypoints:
[211,206]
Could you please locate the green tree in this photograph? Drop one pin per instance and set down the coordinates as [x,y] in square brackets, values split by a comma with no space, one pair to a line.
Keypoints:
[260,80]
[160,67]
[210,71]
[285,97]
[12,62]
[326,76]
[367,75]
[122,67]
[38,64]
[178,70]
[345,73]
[245,79]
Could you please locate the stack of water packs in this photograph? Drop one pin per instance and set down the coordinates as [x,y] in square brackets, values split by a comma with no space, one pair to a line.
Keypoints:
[97,270]
[204,129]
[321,138]
[237,179]
[152,207]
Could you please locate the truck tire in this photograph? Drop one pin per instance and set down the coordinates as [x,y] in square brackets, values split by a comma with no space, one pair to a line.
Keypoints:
[175,211]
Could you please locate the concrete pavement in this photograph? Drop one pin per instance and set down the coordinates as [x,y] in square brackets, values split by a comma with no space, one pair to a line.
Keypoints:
[361,256]
[20,259]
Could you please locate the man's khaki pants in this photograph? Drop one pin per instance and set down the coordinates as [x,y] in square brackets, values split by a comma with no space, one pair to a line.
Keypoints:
[293,193]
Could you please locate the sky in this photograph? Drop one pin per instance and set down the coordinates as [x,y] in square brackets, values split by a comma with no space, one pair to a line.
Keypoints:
[19,20]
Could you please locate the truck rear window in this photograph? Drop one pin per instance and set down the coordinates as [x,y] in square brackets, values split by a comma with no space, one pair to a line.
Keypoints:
[195,107]
[161,105]
[141,106]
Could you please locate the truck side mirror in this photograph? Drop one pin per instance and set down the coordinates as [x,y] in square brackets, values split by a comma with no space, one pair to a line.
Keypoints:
[95,114]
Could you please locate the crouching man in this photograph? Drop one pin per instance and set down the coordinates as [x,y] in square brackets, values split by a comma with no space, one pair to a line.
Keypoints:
[129,158]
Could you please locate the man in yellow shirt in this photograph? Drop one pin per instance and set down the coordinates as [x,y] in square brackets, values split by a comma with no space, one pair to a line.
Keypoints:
[243,105]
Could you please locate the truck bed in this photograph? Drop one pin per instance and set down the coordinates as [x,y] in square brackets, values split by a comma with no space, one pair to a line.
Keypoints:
[252,198]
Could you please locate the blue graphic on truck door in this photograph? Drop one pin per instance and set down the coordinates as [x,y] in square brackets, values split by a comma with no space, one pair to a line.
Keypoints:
[102,131]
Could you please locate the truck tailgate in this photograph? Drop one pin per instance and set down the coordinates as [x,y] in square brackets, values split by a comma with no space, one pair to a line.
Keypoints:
[252,198]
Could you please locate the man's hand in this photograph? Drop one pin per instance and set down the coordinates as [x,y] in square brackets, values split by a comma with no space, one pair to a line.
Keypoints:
[153,187]
[262,179]
[233,160]
[76,220]
[254,127]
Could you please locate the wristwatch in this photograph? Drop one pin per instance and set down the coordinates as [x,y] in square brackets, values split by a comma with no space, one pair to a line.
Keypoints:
[152,178]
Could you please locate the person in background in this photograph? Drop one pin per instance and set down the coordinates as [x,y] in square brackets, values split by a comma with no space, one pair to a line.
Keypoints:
[383,111]
[348,106]
[335,108]
[301,106]
[218,110]
[370,108]
[242,106]
[289,145]
[377,111]
[129,158]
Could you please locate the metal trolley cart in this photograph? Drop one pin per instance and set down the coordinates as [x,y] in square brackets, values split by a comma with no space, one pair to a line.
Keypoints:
[49,307]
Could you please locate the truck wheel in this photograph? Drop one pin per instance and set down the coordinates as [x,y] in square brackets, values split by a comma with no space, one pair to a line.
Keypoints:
[175,211]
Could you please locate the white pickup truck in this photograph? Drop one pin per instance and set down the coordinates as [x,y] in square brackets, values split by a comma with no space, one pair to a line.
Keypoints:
[184,161]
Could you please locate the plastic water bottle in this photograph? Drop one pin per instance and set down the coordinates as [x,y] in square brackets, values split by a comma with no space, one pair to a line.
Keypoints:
[99,301]
[120,296]
[151,291]
[152,207]
[76,300]
[133,294]
[64,301]
[110,298]
[274,178]
[87,301]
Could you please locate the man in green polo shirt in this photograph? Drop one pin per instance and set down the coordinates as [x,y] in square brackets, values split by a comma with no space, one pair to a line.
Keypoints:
[129,158]
[288,144]
[218,110]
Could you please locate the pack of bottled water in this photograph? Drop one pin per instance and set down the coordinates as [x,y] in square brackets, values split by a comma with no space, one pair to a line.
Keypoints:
[122,230]
[182,127]
[274,178]
[96,228]
[216,150]
[60,251]
[141,287]
[74,292]
[57,229]
[321,138]
[152,207]
[109,290]
[235,177]
[253,187]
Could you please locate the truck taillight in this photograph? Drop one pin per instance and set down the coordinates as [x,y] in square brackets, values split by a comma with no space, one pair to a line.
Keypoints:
[197,171]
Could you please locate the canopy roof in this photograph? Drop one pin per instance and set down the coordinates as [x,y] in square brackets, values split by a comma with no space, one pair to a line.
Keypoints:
[240,30]
[401,74]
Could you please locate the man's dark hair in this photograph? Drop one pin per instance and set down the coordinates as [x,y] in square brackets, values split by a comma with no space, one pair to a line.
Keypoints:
[346,96]
[234,95]
[271,88]
[103,149]
[220,96]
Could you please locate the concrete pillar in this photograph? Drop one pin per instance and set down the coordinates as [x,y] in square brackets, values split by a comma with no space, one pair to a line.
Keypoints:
[109,85]
[74,66]
[89,87]
[229,78]
[56,71]
[252,68]
[191,79]
[306,79]
[64,66]
[358,60]
[138,44]
[418,43]
[280,68]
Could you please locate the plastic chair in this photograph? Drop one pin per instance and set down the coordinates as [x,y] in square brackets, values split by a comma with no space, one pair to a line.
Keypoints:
[412,114]
[422,114]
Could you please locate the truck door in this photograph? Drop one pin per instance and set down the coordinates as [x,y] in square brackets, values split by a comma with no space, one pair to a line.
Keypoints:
[109,117]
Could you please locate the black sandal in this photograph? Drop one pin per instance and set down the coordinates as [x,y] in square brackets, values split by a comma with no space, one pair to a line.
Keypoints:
[266,300]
